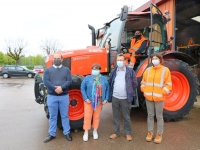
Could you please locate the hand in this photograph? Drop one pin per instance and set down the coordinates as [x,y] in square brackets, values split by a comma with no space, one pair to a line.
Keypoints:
[87,101]
[58,89]
[104,102]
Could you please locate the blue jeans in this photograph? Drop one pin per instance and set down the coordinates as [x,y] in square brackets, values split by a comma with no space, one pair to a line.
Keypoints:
[62,103]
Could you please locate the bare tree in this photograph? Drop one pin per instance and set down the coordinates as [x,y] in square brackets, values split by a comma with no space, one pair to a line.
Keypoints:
[15,48]
[50,46]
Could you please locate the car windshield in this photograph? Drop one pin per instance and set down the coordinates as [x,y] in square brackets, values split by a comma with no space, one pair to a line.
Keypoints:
[24,67]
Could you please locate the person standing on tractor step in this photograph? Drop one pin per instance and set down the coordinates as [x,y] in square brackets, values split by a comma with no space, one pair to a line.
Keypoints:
[156,83]
[57,79]
[137,46]
[95,91]
[123,83]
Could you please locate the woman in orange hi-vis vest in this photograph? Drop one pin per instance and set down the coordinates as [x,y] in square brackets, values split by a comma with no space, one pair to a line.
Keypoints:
[137,45]
[156,83]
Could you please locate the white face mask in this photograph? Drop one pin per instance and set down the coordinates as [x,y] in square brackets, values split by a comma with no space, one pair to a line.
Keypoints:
[156,62]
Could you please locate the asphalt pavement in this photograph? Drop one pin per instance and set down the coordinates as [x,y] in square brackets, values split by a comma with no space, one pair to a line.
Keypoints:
[23,126]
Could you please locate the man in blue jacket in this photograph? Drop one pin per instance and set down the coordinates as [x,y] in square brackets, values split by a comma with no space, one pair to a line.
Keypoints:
[57,79]
[123,83]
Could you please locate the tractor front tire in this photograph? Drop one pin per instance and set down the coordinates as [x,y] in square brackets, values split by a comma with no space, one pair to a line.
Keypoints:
[76,105]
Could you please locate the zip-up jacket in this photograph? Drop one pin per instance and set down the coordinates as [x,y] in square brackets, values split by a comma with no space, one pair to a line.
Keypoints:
[131,83]
[156,83]
[136,45]
[87,85]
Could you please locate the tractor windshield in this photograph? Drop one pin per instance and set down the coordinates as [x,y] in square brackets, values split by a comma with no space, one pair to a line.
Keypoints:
[113,31]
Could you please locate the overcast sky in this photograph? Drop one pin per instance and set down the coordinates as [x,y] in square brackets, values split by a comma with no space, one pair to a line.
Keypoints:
[65,20]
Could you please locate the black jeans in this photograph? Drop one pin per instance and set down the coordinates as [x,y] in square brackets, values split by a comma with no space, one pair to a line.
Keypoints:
[125,106]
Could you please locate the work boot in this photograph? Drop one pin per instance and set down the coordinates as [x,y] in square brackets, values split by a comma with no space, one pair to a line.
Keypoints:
[113,136]
[158,139]
[128,137]
[149,136]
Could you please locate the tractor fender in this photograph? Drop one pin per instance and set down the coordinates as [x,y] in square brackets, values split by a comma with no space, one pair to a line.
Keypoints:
[141,68]
[167,55]
[180,56]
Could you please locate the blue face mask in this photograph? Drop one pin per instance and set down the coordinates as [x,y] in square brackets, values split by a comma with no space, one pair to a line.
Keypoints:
[95,72]
[120,64]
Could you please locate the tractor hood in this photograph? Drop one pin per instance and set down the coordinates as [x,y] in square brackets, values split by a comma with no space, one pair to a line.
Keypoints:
[80,61]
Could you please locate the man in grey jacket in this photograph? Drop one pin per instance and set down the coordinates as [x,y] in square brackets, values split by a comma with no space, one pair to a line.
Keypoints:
[123,83]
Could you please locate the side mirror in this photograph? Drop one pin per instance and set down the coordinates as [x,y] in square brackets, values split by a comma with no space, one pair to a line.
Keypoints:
[168,15]
[171,38]
[124,13]
[169,45]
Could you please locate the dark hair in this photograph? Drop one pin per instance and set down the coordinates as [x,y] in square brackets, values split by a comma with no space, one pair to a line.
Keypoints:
[139,30]
[159,56]
[121,55]
[96,66]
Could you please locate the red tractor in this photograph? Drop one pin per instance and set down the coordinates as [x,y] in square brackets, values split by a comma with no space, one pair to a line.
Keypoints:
[119,30]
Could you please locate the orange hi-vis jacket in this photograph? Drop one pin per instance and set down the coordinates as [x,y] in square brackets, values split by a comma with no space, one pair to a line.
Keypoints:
[156,83]
[135,45]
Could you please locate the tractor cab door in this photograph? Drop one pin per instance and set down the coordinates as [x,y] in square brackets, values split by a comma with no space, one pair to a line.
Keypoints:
[158,33]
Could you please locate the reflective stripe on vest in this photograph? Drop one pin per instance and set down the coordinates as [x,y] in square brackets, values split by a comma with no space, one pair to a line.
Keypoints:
[166,89]
[153,94]
[135,48]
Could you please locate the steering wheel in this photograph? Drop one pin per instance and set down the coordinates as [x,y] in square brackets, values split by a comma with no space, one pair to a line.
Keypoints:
[124,49]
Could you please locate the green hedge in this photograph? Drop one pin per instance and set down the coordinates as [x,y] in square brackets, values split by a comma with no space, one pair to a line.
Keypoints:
[30,67]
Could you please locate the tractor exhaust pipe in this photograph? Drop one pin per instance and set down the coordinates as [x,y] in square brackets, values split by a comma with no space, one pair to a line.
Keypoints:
[93,35]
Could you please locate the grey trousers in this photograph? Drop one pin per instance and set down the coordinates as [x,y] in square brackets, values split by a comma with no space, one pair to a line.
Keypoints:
[125,106]
[152,108]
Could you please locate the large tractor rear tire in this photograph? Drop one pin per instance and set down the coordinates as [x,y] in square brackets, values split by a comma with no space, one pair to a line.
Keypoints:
[184,90]
[183,94]
[76,106]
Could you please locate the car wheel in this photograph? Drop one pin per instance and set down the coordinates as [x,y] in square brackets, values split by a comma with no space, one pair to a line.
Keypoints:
[5,75]
[30,75]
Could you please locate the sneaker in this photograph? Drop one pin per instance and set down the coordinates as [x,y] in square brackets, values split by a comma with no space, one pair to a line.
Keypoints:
[149,136]
[113,136]
[95,135]
[85,137]
[128,137]
[158,139]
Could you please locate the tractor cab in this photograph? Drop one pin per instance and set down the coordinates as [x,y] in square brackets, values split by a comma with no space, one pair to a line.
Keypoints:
[121,30]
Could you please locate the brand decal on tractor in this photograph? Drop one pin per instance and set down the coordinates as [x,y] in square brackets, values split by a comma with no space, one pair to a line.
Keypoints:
[95,50]
[81,58]
[67,53]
